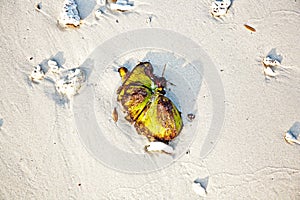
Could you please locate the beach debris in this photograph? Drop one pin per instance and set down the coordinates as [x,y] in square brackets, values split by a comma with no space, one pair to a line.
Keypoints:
[191,117]
[142,96]
[271,62]
[220,7]
[159,147]
[54,67]
[1,123]
[268,61]
[250,28]
[291,136]
[121,5]
[70,83]
[69,17]
[37,74]
[115,115]
[270,65]
[199,186]
[67,81]
[270,72]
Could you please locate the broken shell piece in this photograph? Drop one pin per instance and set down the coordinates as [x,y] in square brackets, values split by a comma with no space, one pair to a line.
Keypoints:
[199,189]
[160,147]
[71,83]
[121,5]
[291,136]
[270,62]
[269,66]
[220,7]
[69,17]
[268,71]
[37,74]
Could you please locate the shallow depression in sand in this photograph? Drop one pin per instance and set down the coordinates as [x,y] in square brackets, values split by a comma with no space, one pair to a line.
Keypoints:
[117,144]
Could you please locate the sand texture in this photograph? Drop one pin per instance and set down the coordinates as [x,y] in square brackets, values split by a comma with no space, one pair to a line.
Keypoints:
[46,151]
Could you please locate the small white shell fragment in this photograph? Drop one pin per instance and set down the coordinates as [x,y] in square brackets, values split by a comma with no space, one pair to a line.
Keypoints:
[160,147]
[269,72]
[37,74]
[291,136]
[220,7]
[122,5]
[69,17]
[270,62]
[199,189]
[269,66]
[70,84]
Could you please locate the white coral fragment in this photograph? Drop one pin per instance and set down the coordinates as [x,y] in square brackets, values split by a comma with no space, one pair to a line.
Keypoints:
[69,17]
[37,74]
[70,83]
[220,7]
[159,147]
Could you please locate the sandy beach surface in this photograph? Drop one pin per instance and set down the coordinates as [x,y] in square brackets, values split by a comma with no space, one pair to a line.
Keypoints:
[43,151]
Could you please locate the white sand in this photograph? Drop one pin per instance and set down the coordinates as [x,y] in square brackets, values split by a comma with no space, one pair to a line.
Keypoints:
[42,156]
